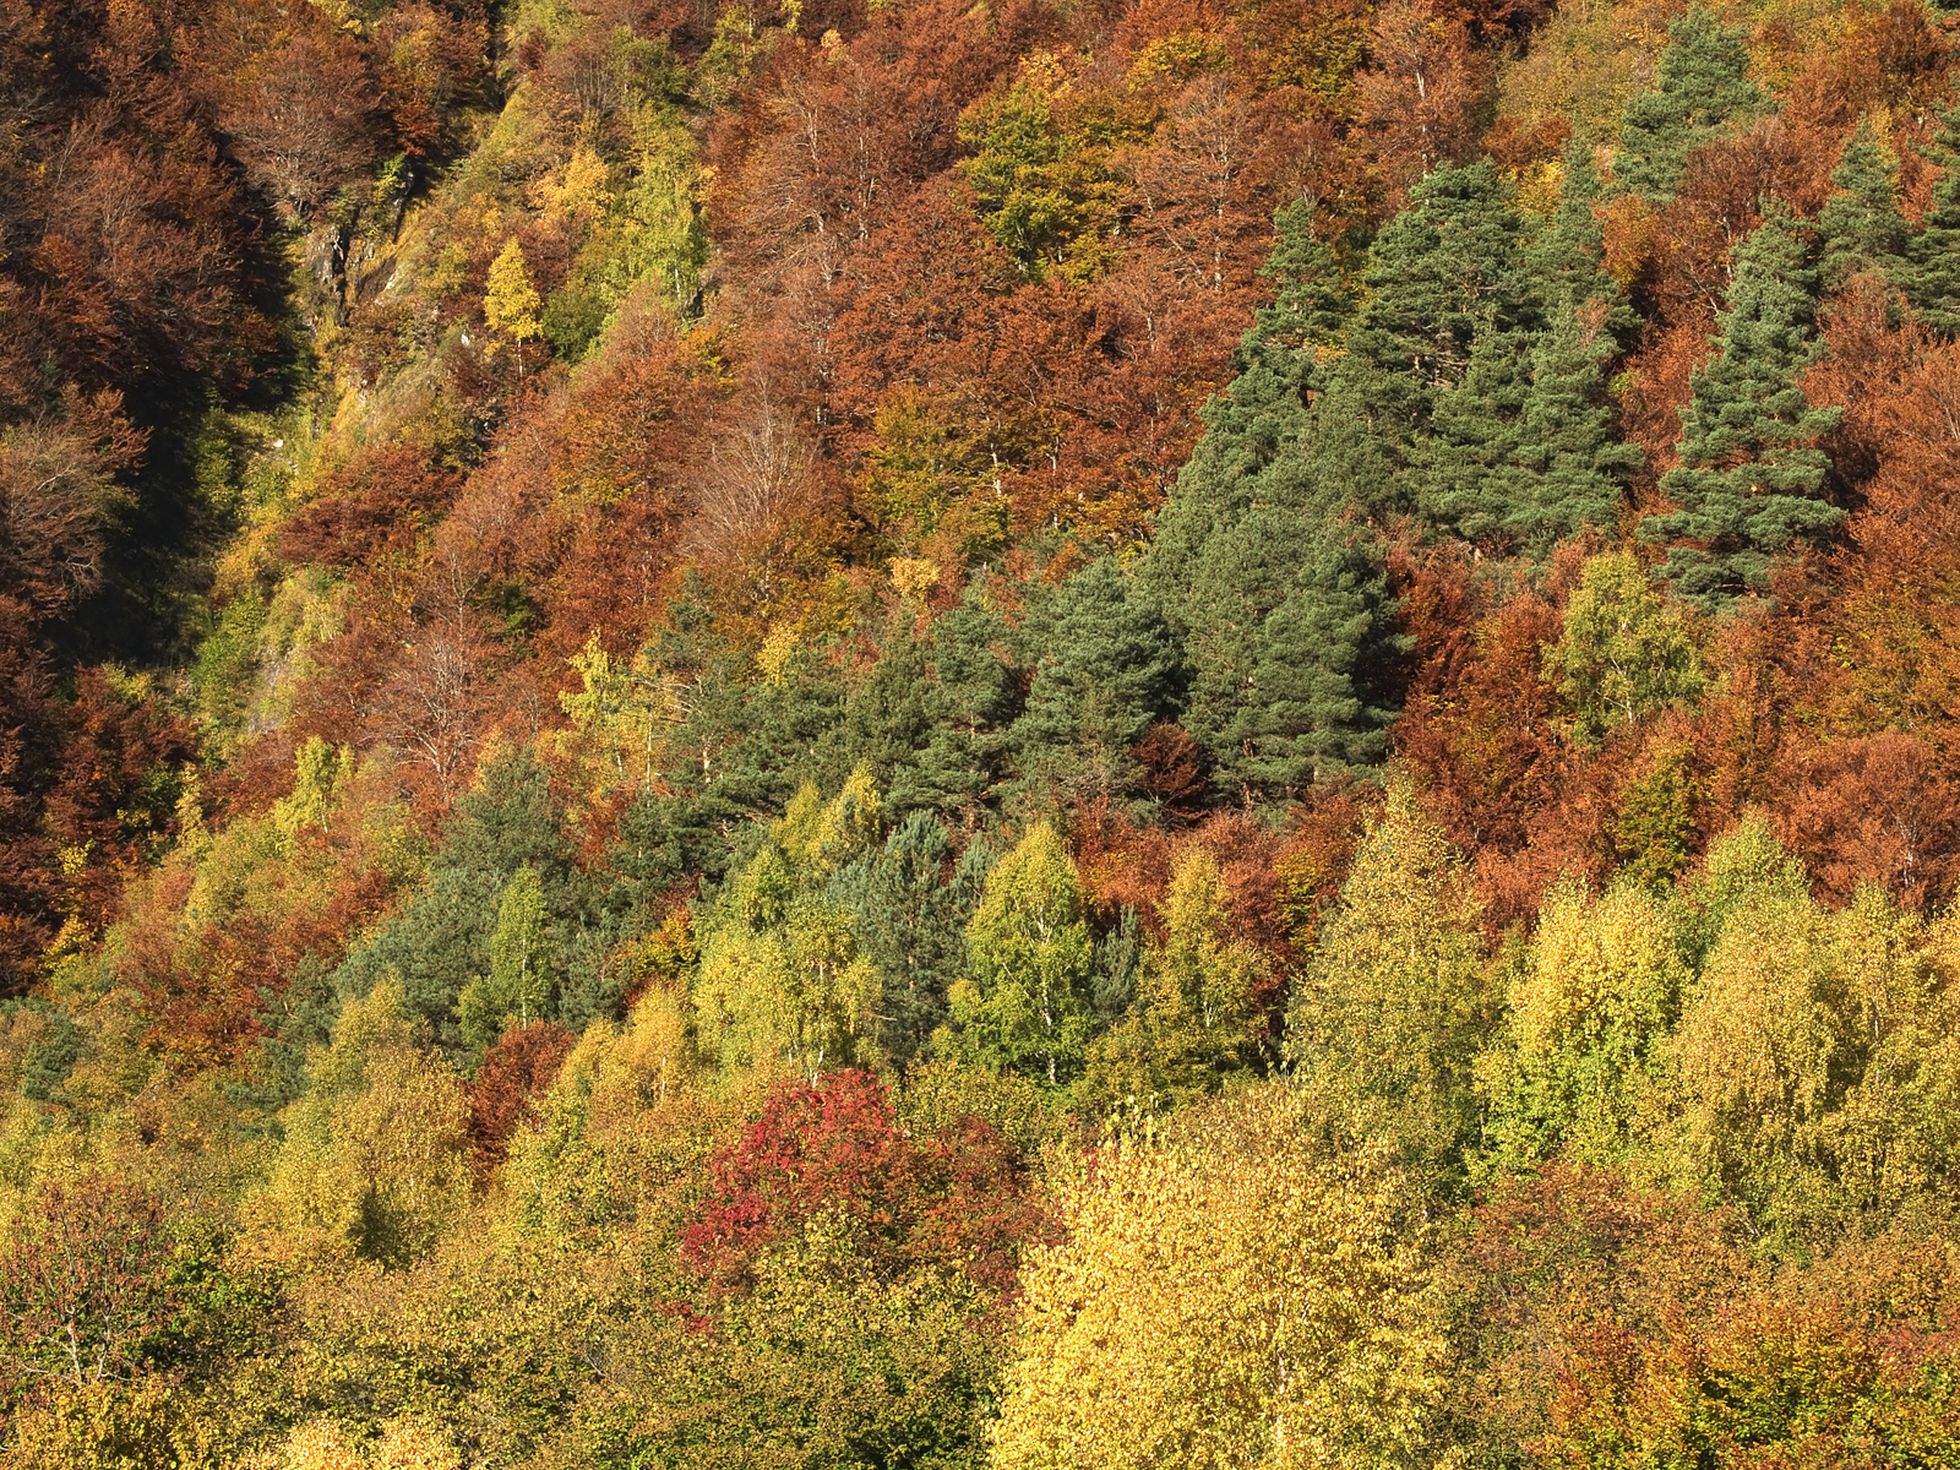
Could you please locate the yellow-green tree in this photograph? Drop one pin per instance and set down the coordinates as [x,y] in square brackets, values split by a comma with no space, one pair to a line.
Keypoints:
[781,982]
[1589,1003]
[1193,1021]
[1026,1002]
[1230,1296]
[1387,1019]
[374,1162]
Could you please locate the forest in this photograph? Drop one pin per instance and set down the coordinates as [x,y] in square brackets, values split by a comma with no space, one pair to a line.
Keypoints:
[1031,734]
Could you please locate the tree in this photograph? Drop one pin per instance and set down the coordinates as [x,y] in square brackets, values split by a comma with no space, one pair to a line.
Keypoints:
[1622,652]
[1932,272]
[518,989]
[1587,1009]
[1025,1004]
[1751,479]
[1701,87]
[510,301]
[85,1282]
[1194,1019]
[1262,412]
[1861,228]
[1229,1295]
[1386,1021]
[373,1164]
[1104,674]
[1442,273]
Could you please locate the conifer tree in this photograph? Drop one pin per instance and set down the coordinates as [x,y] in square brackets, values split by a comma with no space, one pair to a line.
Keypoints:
[1289,638]
[1567,259]
[1576,464]
[1104,675]
[1315,705]
[1264,409]
[1524,451]
[1861,227]
[1932,273]
[1750,483]
[1441,273]
[1701,87]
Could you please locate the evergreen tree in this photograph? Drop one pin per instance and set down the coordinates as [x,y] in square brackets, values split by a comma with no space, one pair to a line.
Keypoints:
[1702,86]
[911,925]
[1861,227]
[1567,259]
[1750,483]
[1314,704]
[1523,451]
[1932,272]
[1443,272]
[1105,673]
[1576,465]
[1288,636]
[1264,410]
[1467,469]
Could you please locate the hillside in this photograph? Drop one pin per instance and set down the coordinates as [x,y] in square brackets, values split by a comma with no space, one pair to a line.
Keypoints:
[1033,734]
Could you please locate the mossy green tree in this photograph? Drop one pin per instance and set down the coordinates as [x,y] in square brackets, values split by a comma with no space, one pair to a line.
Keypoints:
[1861,228]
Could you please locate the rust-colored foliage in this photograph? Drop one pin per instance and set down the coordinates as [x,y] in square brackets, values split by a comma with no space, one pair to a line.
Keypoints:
[518,1066]
[960,1198]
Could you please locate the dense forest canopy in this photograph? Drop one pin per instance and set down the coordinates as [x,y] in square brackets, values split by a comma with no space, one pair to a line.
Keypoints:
[1039,733]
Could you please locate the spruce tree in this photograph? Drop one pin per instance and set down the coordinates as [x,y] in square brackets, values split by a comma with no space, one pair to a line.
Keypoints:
[1524,451]
[1750,482]
[1702,86]
[1932,272]
[1861,227]
[1288,647]
[1315,707]
[1576,464]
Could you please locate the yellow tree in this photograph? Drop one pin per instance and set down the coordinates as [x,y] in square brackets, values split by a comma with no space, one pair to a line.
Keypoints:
[374,1162]
[1386,1022]
[1231,1296]
[1193,1020]
[1588,1007]
[511,303]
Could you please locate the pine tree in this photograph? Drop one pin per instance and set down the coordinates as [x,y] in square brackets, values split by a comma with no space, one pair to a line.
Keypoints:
[1576,464]
[1104,674]
[1750,483]
[1932,273]
[1702,86]
[1467,468]
[1264,409]
[1524,451]
[1441,273]
[1567,259]
[1314,706]
[1861,227]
